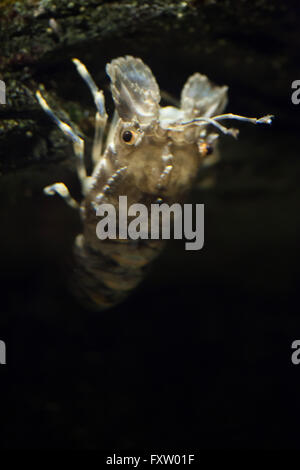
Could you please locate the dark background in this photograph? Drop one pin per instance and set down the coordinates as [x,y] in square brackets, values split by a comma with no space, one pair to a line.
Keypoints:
[200,355]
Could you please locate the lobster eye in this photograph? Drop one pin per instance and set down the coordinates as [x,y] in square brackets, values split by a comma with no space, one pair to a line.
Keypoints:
[206,149]
[128,137]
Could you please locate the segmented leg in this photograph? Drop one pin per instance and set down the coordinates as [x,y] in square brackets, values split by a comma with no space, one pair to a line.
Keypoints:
[167,158]
[78,142]
[62,190]
[101,116]
[109,183]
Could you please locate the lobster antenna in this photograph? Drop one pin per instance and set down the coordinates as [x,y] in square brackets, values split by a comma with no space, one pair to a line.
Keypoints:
[227,131]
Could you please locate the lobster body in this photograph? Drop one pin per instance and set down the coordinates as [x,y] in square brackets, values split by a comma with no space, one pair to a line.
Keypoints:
[108,270]
[152,155]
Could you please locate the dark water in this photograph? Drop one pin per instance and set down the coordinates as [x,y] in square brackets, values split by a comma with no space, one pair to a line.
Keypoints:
[200,356]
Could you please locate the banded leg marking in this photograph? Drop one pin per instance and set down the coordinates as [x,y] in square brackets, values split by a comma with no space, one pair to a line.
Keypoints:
[101,116]
[78,142]
[167,158]
[111,180]
[62,190]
